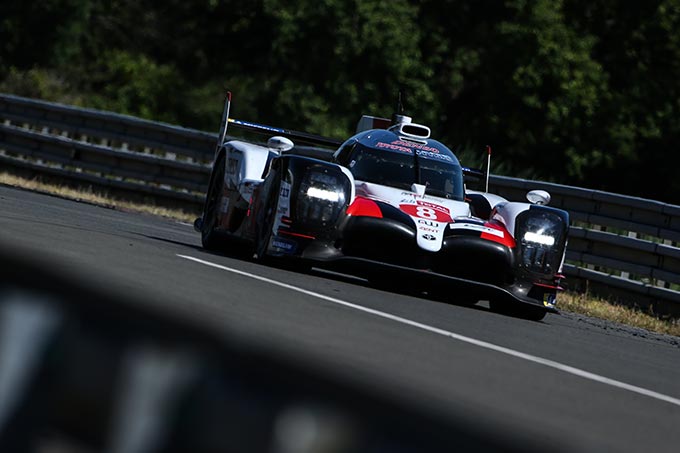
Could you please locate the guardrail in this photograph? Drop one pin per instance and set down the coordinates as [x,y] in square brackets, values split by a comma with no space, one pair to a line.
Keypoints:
[624,246]
[167,164]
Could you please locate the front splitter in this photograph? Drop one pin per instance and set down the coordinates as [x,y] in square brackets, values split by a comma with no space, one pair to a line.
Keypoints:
[367,268]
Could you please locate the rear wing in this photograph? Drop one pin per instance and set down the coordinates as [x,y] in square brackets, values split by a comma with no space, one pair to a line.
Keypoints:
[474,173]
[480,175]
[303,137]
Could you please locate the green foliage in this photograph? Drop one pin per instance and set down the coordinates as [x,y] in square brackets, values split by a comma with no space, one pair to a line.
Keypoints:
[136,85]
[47,84]
[47,32]
[331,59]
[583,92]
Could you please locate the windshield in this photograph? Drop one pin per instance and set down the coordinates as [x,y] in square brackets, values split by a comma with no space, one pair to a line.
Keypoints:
[401,170]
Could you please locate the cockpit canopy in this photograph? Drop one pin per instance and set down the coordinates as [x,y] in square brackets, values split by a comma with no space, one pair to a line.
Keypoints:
[383,157]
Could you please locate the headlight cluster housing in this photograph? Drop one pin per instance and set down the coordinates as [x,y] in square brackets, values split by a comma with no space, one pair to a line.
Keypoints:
[541,234]
[322,195]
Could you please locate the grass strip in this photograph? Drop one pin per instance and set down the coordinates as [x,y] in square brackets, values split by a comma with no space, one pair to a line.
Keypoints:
[595,307]
[90,196]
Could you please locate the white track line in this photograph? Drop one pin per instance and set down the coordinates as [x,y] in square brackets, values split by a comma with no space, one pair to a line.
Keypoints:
[482,344]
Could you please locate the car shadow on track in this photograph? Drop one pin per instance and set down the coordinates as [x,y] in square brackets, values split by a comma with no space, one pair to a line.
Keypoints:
[461,299]
[446,295]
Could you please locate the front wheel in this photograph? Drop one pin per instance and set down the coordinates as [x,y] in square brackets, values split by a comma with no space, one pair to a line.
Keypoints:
[265,223]
[210,238]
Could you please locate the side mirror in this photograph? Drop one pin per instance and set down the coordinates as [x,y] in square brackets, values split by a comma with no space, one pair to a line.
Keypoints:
[539,197]
[280,144]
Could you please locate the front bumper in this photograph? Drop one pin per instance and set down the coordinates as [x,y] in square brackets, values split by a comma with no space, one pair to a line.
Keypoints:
[380,249]
[467,257]
[418,278]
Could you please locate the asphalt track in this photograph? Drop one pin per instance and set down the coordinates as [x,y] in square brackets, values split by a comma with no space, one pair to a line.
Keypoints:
[569,383]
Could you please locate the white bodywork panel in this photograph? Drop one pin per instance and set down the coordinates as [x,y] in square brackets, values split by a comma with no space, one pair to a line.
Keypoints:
[245,164]
[503,211]
[493,199]
[507,212]
[283,209]
[431,214]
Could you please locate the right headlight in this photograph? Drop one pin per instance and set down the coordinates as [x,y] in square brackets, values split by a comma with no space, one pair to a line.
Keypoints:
[540,234]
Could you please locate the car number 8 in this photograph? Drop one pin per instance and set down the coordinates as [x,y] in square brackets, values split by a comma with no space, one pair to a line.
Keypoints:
[426,213]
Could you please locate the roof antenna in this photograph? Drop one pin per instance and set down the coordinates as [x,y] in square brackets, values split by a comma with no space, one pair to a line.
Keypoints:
[399,116]
[488,167]
[400,105]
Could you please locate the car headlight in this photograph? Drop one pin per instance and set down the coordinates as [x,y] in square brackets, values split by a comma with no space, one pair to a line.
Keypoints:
[540,234]
[321,196]
[539,238]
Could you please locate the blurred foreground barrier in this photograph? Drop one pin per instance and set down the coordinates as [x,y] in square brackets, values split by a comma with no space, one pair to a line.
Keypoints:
[86,370]
[619,245]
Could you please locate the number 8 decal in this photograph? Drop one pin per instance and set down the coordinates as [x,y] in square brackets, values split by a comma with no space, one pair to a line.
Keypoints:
[426,213]
[432,212]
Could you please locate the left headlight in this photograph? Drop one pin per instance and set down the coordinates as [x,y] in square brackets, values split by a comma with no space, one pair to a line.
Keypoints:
[541,234]
[321,196]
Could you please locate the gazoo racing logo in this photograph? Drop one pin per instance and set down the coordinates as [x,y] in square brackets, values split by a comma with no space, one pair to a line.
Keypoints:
[427,211]
[427,223]
[428,226]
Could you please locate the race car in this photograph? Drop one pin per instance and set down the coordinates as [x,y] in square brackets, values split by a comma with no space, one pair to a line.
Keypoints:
[389,204]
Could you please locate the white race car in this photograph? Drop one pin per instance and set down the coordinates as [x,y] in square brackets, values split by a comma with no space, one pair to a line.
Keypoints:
[390,204]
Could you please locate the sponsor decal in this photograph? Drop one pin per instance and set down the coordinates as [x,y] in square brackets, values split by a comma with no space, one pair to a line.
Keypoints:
[422,150]
[498,233]
[257,126]
[427,211]
[392,147]
[431,155]
[429,223]
[283,245]
[493,232]
[428,229]
[429,237]
[418,146]
[488,231]
[283,205]
[477,227]
[224,206]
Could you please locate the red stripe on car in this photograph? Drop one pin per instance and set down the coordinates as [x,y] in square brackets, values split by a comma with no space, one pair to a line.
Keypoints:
[543,285]
[507,239]
[298,235]
[364,207]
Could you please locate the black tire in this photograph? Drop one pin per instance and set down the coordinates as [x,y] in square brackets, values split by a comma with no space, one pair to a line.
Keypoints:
[534,313]
[210,238]
[264,223]
[264,233]
[518,310]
